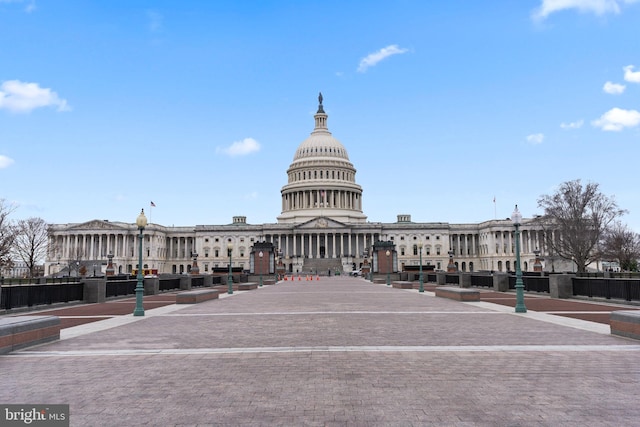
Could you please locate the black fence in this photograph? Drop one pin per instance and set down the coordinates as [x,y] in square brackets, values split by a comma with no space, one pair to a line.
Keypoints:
[169,284]
[117,288]
[623,289]
[482,280]
[531,283]
[452,279]
[16,296]
[197,282]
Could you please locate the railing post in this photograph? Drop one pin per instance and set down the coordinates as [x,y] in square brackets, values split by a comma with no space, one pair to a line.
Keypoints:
[94,289]
[561,285]
[500,282]
[151,286]
[464,280]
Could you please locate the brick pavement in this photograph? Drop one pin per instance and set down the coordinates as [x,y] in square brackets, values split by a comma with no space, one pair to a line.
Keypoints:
[338,351]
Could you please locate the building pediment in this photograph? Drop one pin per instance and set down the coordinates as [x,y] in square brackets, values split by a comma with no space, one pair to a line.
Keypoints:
[320,223]
[97,224]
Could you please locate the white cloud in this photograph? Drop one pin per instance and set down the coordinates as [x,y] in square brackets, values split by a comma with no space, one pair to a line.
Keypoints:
[535,138]
[598,7]
[617,119]
[5,161]
[630,75]
[30,7]
[613,88]
[373,58]
[155,21]
[573,125]
[22,97]
[241,148]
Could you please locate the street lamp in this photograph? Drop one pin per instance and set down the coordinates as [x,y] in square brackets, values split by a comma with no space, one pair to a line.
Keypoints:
[421,281]
[230,277]
[388,268]
[260,255]
[516,217]
[141,222]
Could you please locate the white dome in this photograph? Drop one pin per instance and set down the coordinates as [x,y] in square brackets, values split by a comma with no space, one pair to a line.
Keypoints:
[322,180]
[321,144]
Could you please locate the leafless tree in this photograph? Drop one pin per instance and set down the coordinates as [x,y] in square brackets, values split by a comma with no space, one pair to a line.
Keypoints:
[575,218]
[621,244]
[75,261]
[30,243]
[7,232]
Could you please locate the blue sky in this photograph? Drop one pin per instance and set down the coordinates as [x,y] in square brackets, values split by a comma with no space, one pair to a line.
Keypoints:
[200,106]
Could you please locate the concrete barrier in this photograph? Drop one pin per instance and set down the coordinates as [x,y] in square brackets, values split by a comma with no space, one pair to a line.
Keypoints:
[247,286]
[194,297]
[458,294]
[24,331]
[625,323]
[402,284]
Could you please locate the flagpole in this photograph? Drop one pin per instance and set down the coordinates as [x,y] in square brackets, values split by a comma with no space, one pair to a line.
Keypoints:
[495,212]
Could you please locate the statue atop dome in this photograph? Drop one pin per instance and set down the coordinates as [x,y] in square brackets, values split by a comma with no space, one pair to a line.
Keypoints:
[320,109]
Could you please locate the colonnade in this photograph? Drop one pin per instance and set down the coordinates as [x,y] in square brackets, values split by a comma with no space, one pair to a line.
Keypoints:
[316,199]
[323,244]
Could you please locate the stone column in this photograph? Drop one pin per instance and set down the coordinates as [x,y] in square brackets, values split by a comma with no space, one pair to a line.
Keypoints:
[500,282]
[95,290]
[465,280]
[561,285]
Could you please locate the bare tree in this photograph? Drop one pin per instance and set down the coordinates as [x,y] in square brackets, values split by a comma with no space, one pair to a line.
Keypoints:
[621,244]
[30,243]
[75,261]
[7,233]
[574,220]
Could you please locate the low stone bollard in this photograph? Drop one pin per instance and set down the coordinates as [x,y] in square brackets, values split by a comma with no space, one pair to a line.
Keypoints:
[24,331]
[194,297]
[402,284]
[247,286]
[458,294]
[625,323]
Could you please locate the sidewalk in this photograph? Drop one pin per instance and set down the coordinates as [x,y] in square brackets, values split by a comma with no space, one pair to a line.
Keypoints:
[338,351]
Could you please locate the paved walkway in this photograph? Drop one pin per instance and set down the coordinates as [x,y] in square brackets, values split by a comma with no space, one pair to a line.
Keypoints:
[338,351]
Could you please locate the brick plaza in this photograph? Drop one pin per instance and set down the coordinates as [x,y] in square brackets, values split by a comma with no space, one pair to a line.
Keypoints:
[337,351]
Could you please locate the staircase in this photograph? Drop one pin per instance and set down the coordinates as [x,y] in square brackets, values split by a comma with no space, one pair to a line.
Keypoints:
[321,266]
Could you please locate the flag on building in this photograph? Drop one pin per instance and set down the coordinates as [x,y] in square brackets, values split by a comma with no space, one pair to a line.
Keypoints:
[153,205]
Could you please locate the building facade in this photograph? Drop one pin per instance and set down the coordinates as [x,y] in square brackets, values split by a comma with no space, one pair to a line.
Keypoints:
[322,227]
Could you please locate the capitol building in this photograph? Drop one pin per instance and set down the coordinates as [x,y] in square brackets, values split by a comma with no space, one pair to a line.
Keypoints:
[322,228]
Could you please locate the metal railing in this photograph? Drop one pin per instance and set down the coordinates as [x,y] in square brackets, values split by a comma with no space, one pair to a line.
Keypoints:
[115,288]
[482,280]
[531,283]
[16,296]
[622,289]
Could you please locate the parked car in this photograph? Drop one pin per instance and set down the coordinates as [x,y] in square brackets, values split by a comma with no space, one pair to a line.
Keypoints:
[356,273]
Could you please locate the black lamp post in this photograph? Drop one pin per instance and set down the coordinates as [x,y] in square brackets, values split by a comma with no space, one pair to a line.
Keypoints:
[388,253]
[230,276]
[516,217]
[141,222]
[421,279]
[260,255]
